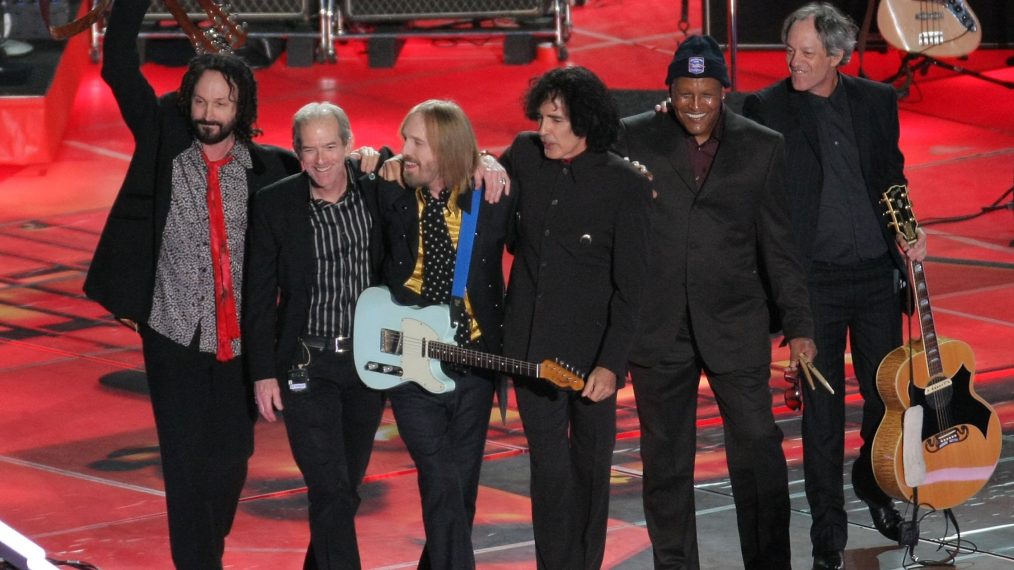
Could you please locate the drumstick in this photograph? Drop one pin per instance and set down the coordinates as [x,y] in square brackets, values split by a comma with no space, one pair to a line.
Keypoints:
[809,368]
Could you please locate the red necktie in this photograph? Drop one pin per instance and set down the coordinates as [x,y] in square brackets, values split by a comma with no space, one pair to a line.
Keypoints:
[226,320]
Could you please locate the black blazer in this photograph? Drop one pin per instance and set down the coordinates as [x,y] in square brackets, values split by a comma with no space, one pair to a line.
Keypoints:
[874,109]
[399,216]
[122,273]
[719,253]
[581,255]
[279,271]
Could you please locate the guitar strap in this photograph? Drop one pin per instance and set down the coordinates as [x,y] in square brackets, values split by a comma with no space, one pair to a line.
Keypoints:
[466,238]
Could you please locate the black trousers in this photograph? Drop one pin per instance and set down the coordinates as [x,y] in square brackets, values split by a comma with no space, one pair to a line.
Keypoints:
[666,396]
[204,415]
[860,303]
[446,435]
[331,430]
[571,442]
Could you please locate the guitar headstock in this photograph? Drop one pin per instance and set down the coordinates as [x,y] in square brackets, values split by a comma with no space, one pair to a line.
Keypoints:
[898,209]
[561,374]
[222,34]
[224,27]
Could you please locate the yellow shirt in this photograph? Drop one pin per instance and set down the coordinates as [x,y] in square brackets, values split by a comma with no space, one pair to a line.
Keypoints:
[452,216]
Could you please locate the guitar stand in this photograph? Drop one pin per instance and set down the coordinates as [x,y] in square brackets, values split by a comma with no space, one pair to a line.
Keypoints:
[910,537]
[914,62]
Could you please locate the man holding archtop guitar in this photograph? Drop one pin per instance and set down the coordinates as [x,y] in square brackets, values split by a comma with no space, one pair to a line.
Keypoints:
[841,142]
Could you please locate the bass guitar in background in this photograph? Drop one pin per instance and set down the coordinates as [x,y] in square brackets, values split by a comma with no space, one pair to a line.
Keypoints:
[937,28]
[939,441]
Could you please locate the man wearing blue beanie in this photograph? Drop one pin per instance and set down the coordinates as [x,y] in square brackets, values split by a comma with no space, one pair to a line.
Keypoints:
[722,247]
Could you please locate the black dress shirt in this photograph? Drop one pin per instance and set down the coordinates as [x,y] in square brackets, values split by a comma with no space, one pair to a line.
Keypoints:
[702,155]
[848,230]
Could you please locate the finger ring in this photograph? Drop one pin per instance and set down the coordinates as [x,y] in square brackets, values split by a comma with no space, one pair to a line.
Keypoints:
[503,182]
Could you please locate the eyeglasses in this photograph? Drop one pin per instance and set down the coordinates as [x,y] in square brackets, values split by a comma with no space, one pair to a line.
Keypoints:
[793,399]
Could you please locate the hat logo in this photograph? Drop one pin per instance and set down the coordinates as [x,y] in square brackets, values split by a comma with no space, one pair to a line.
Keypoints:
[696,65]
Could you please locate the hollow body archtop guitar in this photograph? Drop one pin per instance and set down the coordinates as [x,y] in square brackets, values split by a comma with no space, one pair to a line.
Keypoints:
[939,441]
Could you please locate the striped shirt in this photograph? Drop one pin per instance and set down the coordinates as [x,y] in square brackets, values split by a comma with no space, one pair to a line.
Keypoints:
[341,253]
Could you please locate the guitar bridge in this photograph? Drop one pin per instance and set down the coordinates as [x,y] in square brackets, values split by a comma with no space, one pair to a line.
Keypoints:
[956,434]
[390,341]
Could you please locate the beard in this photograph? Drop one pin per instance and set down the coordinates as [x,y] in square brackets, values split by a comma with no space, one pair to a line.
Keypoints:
[206,133]
[421,176]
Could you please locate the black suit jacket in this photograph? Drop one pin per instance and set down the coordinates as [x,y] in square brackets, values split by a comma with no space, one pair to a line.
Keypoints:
[581,255]
[279,275]
[122,273]
[874,109]
[399,216]
[720,252]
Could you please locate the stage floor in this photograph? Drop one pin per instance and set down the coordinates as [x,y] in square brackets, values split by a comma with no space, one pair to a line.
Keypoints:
[79,465]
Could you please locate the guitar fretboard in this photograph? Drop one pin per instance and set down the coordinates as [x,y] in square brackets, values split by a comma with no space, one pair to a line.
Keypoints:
[929,333]
[454,354]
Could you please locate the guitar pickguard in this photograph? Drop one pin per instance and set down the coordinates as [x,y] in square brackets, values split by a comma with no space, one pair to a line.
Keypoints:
[961,409]
[417,367]
[962,13]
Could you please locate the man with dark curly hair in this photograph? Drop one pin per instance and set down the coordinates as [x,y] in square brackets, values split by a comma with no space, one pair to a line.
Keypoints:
[574,293]
[169,265]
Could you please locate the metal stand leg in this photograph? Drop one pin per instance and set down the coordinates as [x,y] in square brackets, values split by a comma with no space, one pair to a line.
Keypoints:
[326,51]
[913,63]
[563,25]
[733,43]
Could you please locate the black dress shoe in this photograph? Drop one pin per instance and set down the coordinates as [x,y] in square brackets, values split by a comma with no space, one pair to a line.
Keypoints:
[885,517]
[829,560]
[887,520]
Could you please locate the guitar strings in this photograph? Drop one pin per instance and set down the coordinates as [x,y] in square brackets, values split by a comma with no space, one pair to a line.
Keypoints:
[426,347]
[930,26]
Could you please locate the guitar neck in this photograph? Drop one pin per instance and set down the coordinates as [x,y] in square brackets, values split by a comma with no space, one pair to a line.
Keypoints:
[454,354]
[925,312]
[451,353]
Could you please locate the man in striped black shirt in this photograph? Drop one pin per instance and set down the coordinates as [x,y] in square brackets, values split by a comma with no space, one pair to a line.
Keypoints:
[313,248]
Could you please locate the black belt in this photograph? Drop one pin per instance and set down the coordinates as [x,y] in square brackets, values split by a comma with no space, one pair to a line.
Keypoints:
[336,344]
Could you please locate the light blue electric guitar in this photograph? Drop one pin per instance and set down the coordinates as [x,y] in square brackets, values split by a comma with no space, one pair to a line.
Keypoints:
[393,344]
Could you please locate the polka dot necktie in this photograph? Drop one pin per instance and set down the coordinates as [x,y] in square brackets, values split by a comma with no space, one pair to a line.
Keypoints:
[438,251]
[439,257]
